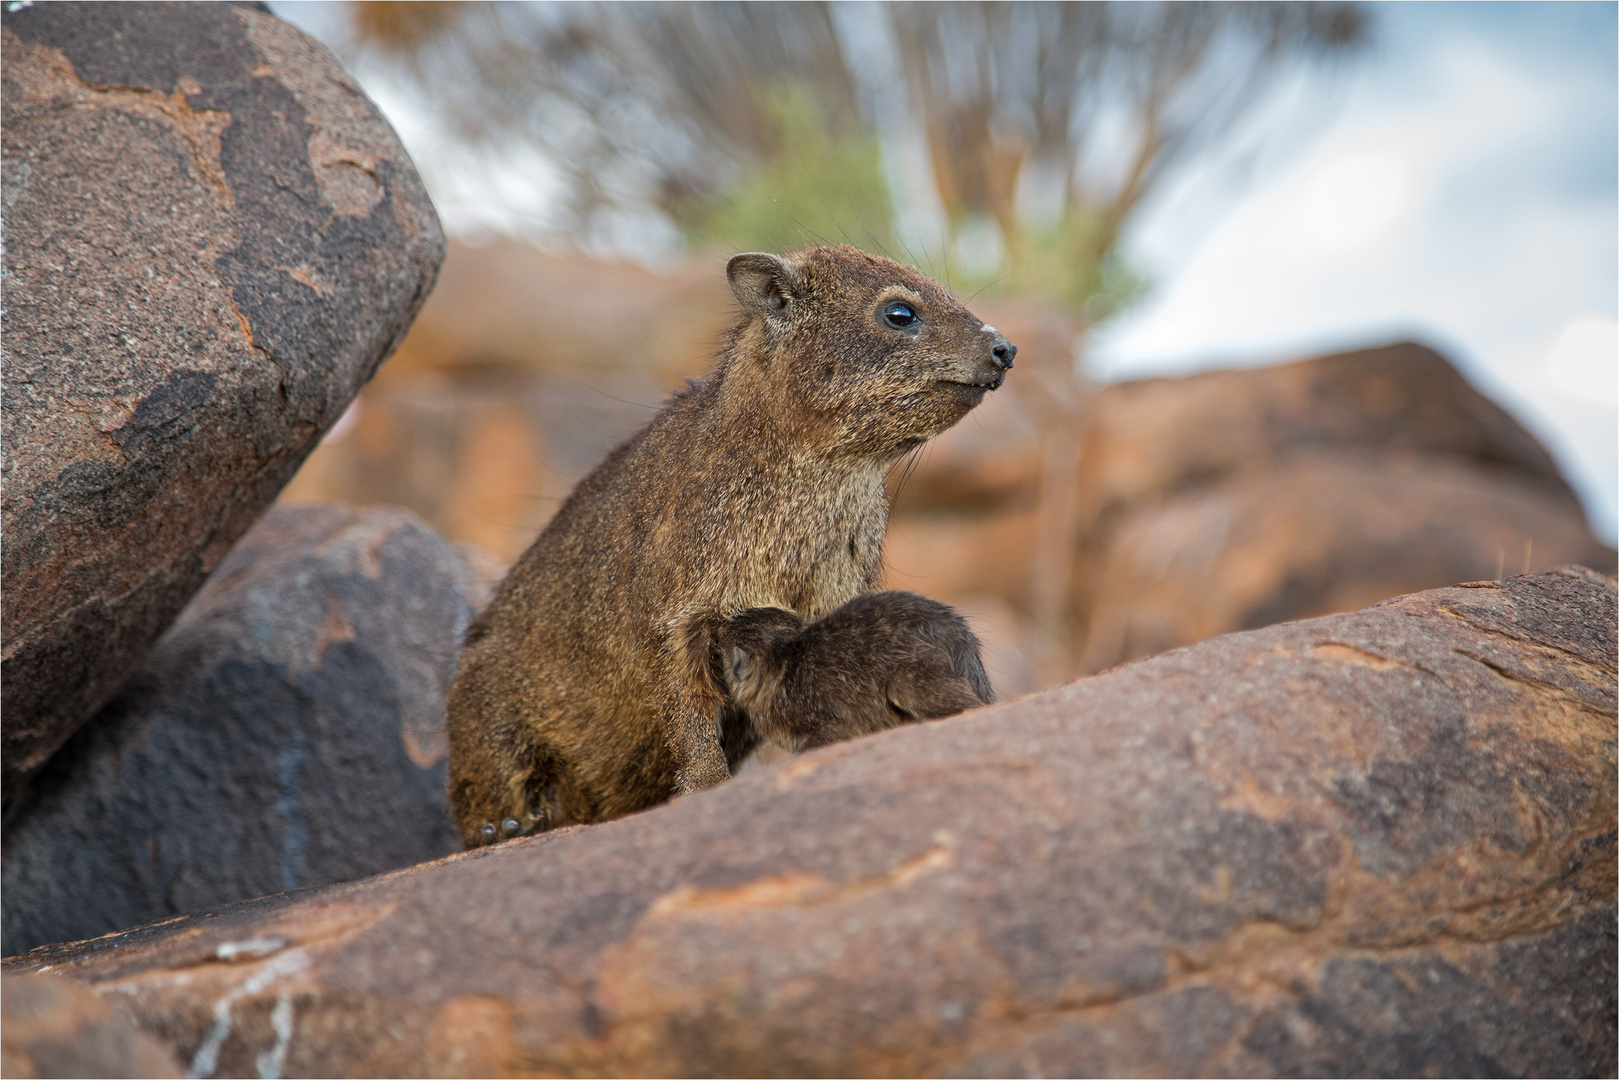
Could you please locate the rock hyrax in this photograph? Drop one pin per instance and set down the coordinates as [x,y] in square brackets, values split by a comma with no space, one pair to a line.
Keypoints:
[592,685]
[881,660]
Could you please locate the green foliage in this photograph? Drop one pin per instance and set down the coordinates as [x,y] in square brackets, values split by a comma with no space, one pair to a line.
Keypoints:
[1073,264]
[816,185]
[1117,286]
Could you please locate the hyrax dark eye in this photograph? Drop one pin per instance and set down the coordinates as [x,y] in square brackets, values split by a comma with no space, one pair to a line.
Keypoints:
[899,315]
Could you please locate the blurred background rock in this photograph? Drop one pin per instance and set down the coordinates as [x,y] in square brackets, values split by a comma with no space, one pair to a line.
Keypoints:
[1126,191]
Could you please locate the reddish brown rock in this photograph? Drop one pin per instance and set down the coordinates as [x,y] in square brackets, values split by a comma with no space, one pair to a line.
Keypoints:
[485,418]
[212,240]
[483,461]
[508,308]
[1155,436]
[1316,533]
[55,1028]
[1380,843]
[1238,499]
[287,731]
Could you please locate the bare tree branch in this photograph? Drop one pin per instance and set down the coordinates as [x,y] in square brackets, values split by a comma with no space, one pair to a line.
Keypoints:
[668,106]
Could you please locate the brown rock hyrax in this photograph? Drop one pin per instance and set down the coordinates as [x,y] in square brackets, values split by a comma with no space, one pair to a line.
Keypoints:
[592,685]
[881,660]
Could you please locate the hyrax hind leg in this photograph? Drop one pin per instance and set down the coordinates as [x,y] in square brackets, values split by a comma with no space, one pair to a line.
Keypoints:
[881,660]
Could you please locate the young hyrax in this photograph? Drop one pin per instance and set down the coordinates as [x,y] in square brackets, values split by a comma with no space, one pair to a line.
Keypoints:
[882,659]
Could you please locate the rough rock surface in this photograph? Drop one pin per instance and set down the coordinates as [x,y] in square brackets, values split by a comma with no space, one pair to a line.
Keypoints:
[52,1027]
[287,731]
[1380,843]
[212,239]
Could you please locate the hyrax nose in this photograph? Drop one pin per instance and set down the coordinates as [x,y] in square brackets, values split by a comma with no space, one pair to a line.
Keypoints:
[1003,351]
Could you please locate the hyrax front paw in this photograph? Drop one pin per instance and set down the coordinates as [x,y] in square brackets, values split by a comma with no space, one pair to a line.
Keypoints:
[537,820]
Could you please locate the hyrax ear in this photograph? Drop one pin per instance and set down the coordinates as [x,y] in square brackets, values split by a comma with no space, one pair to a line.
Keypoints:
[763,284]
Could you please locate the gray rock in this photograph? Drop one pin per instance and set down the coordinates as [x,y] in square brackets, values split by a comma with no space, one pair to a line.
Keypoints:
[287,731]
[211,240]
[1379,843]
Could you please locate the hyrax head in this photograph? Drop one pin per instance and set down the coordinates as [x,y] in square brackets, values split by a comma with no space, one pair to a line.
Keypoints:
[752,640]
[862,356]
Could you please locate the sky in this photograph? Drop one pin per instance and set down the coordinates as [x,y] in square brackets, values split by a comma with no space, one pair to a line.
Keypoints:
[1460,187]
[1457,185]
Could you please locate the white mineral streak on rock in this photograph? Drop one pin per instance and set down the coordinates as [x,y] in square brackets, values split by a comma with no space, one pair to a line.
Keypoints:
[207,1056]
[252,949]
[274,1060]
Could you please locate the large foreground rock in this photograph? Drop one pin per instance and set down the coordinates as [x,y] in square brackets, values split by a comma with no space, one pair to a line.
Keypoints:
[1376,843]
[212,239]
[287,731]
[53,1028]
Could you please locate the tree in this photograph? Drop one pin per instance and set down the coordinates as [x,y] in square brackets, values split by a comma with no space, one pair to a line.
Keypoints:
[1048,122]
[675,107]
[1081,109]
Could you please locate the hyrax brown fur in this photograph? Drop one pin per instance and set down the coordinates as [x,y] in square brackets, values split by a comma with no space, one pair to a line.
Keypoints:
[592,685]
[881,660]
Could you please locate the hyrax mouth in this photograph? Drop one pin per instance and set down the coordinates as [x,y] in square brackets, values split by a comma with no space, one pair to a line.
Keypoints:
[982,382]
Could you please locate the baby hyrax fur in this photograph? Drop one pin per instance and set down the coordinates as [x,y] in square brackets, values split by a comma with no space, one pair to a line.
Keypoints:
[592,685]
[881,660]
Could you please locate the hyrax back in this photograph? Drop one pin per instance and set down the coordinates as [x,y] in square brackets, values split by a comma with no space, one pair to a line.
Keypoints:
[588,688]
[881,660]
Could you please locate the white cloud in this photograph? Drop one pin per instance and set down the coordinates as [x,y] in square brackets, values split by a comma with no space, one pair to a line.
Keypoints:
[1344,204]
[1583,363]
